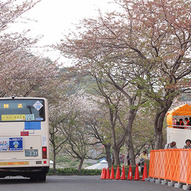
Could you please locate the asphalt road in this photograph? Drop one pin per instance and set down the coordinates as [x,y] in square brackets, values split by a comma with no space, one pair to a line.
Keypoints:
[79,183]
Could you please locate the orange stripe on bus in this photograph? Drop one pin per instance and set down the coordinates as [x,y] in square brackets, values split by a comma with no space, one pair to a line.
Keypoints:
[13,163]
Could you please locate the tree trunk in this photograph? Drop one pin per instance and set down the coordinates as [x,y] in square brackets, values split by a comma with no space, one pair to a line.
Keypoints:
[131,119]
[54,162]
[54,157]
[159,119]
[113,159]
[131,149]
[108,154]
[116,155]
[158,137]
[80,165]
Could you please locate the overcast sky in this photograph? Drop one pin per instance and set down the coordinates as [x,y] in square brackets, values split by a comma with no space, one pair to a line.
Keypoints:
[55,18]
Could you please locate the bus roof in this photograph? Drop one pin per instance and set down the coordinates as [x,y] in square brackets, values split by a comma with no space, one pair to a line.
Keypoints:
[22,98]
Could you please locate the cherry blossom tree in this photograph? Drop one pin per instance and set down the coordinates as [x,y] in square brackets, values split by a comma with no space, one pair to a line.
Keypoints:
[78,133]
[141,50]
[162,29]
[22,73]
[12,10]
[58,113]
[26,74]
[97,122]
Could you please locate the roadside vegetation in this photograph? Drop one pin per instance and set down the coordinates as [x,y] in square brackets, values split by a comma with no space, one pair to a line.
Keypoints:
[74,171]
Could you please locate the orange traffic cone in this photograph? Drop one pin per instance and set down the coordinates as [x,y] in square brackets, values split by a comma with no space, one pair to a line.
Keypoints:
[130,174]
[103,173]
[144,172]
[112,173]
[136,177]
[117,177]
[108,173]
[123,173]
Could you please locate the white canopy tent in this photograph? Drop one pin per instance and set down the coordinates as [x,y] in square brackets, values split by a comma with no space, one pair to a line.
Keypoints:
[100,165]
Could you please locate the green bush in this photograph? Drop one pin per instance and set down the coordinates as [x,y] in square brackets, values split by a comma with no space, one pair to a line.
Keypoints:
[73,171]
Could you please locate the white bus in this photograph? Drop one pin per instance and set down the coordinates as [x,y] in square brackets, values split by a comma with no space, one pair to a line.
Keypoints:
[24,137]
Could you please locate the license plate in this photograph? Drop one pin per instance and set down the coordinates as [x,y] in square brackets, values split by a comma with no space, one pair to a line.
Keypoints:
[31,152]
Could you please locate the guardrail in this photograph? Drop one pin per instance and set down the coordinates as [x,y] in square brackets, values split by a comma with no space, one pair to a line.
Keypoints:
[171,164]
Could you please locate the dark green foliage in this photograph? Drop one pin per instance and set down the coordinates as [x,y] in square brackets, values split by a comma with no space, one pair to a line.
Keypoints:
[73,171]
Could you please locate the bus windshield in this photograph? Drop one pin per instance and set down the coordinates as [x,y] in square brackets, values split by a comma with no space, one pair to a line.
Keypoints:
[22,110]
